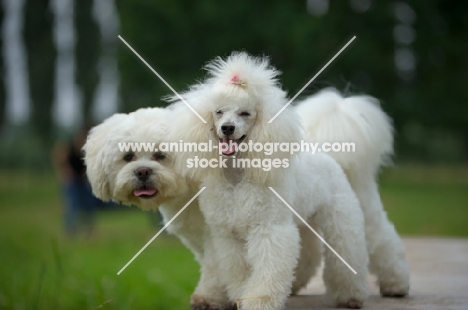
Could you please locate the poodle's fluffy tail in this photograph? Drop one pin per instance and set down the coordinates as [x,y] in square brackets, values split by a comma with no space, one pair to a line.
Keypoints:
[328,117]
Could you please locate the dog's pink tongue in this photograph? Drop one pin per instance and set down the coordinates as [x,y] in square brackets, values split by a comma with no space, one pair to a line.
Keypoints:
[231,149]
[146,191]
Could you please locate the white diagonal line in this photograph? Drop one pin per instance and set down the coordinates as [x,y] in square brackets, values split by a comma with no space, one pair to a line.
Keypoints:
[161,230]
[313,230]
[311,80]
[162,79]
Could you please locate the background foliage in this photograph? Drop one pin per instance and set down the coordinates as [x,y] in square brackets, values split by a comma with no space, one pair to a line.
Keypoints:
[178,37]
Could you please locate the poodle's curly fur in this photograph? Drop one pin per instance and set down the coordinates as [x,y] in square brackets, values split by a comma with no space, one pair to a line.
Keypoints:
[254,236]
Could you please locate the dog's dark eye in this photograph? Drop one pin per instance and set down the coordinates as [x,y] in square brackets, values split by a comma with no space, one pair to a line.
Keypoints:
[129,157]
[219,112]
[159,156]
[244,113]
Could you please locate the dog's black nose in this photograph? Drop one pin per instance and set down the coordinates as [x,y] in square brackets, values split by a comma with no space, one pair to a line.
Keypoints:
[143,173]
[228,129]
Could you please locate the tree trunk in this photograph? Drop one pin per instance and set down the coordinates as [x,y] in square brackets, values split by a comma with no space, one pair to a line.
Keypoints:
[41,55]
[87,53]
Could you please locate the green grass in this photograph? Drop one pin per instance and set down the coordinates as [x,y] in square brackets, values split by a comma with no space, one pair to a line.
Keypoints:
[42,269]
[429,202]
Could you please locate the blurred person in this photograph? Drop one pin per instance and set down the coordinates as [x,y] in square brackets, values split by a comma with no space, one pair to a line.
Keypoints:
[79,202]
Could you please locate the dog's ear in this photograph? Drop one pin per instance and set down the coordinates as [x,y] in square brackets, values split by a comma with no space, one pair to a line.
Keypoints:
[95,156]
[285,128]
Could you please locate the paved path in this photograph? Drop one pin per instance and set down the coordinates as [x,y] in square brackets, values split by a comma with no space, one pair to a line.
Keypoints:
[439,280]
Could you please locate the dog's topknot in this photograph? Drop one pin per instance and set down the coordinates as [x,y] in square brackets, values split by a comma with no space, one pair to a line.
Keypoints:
[254,74]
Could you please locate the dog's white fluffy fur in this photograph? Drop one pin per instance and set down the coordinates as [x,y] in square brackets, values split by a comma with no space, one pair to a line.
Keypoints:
[255,247]
[328,117]
[254,236]
[113,177]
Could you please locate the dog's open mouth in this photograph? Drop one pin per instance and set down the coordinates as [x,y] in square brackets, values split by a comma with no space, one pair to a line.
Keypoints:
[230,146]
[145,192]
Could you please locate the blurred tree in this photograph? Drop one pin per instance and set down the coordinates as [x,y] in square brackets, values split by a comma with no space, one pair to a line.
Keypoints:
[87,53]
[41,54]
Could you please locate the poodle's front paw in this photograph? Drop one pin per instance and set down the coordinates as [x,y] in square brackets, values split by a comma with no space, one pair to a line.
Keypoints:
[351,304]
[260,303]
[198,302]
[397,290]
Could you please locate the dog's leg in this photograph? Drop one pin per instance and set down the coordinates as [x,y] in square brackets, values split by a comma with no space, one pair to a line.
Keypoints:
[309,259]
[386,250]
[342,225]
[210,293]
[272,253]
[191,229]
[232,266]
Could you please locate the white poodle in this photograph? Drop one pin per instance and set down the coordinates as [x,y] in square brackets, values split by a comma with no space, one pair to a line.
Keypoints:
[147,179]
[254,235]
[328,117]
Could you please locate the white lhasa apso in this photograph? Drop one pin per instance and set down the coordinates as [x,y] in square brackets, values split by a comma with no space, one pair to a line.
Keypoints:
[146,178]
